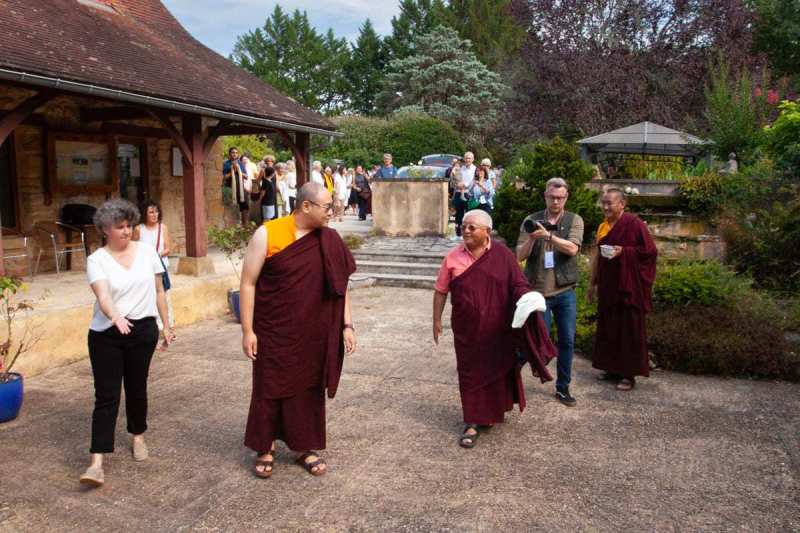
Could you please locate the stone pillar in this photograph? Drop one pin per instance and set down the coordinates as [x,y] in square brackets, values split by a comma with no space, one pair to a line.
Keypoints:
[410,207]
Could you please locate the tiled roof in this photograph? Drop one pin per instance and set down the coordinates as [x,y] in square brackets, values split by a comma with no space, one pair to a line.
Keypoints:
[139,47]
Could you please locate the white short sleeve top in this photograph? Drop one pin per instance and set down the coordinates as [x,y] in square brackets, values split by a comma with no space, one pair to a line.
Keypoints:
[133,290]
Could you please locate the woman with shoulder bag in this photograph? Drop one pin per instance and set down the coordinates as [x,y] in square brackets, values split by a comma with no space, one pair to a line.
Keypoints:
[155,233]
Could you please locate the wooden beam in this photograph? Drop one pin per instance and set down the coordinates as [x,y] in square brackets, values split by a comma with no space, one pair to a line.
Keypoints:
[194,202]
[103,114]
[245,130]
[213,135]
[135,131]
[299,145]
[179,139]
[13,118]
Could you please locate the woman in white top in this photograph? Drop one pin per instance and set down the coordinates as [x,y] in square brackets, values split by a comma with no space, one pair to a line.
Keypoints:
[125,277]
[340,192]
[283,187]
[155,233]
[291,182]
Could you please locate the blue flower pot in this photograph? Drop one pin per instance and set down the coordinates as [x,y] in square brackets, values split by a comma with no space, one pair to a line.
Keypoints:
[10,397]
[233,303]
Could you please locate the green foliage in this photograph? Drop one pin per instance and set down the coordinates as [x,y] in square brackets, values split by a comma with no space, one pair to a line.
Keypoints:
[410,136]
[257,146]
[710,192]
[782,141]
[12,305]
[777,34]
[728,341]
[698,283]
[364,71]
[765,244]
[494,34]
[734,115]
[586,315]
[534,164]
[232,242]
[445,79]
[416,17]
[406,136]
[289,54]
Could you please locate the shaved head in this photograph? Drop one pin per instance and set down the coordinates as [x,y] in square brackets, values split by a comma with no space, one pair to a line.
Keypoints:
[479,216]
[310,192]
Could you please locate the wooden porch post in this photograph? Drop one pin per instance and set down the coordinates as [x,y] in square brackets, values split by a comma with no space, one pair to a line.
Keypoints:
[301,154]
[8,123]
[196,261]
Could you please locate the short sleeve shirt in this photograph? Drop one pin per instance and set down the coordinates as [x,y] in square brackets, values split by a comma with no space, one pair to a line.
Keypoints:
[455,263]
[133,290]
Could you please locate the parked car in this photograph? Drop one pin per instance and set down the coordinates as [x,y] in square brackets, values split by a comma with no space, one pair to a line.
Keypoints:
[438,160]
[421,171]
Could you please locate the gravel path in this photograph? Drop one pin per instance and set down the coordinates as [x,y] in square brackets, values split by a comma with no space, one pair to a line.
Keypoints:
[680,453]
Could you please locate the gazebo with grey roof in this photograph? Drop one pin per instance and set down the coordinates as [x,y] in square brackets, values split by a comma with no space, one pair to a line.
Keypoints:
[645,138]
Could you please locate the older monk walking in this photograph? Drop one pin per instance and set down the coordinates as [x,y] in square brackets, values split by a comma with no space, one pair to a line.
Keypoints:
[485,282]
[622,277]
[296,327]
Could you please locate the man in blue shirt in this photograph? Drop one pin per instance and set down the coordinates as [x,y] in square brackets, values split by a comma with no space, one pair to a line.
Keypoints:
[388,170]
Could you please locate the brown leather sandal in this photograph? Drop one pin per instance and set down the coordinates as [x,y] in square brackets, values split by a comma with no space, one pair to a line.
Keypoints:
[309,467]
[266,464]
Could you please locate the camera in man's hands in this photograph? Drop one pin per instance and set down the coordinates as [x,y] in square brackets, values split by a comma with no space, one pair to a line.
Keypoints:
[530,225]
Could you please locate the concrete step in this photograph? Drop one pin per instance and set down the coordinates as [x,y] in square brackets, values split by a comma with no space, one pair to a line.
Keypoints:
[412,281]
[389,256]
[389,267]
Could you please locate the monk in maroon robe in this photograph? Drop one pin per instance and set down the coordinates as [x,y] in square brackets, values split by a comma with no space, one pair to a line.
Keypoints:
[622,277]
[486,281]
[296,327]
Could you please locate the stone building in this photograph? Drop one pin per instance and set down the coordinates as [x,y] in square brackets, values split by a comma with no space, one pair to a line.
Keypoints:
[114,98]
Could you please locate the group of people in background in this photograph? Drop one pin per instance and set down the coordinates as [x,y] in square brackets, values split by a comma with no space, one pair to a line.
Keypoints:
[270,185]
[471,187]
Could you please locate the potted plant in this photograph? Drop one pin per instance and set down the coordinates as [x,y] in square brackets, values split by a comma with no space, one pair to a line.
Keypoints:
[11,383]
[232,241]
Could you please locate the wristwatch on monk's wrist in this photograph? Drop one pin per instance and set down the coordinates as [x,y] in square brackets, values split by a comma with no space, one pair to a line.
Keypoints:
[348,326]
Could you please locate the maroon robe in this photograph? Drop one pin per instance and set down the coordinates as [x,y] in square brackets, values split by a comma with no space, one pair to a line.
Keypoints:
[624,296]
[484,299]
[298,319]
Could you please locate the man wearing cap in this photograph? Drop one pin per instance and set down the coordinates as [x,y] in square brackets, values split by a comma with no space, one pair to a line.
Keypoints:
[552,269]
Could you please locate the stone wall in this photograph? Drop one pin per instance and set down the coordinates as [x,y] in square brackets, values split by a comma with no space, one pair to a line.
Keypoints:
[410,207]
[63,114]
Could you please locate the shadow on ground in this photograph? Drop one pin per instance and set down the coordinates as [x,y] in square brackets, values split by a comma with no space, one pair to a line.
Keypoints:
[680,453]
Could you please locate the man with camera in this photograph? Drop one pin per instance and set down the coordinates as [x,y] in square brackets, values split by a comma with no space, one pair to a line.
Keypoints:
[550,241]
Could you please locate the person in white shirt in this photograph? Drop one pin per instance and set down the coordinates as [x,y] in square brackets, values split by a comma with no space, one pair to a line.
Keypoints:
[340,192]
[291,182]
[283,189]
[468,170]
[125,277]
[156,234]
[316,173]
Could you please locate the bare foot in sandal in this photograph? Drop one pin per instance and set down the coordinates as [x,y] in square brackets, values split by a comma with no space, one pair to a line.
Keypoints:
[264,464]
[469,436]
[312,462]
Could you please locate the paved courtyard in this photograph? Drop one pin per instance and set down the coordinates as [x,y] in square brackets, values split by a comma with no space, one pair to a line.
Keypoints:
[680,453]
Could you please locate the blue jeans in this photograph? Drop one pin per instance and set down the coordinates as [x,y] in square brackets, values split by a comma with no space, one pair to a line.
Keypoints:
[564,307]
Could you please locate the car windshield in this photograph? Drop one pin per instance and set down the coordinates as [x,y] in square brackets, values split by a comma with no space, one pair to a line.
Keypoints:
[421,172]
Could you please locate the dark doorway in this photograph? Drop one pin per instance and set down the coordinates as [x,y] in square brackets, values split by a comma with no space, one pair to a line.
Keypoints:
[132,171]
[8,189]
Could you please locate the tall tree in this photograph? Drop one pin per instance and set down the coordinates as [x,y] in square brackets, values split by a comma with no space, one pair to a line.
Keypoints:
[444,79]
[416,17]
[289,54]
[777,34]
[601,64]
[364,71]
[496,36]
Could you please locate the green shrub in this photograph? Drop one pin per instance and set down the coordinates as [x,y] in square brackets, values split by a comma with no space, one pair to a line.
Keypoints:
[534,164]
[727,341]
[782,140]
[586,317]
[407,136]
[706,283]
[710,193]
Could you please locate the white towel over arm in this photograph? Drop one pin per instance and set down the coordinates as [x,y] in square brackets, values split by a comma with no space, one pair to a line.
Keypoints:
[527,304]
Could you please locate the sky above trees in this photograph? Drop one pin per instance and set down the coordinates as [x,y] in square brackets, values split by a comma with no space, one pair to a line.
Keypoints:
[217,23]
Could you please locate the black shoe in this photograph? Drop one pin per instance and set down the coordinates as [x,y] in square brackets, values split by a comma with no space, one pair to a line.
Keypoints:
[566,398]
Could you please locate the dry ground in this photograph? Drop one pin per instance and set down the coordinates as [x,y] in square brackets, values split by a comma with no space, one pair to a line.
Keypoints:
[680,453]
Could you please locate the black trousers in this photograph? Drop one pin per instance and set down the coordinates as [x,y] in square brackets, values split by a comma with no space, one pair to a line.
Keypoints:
[116,360]
[363,206]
